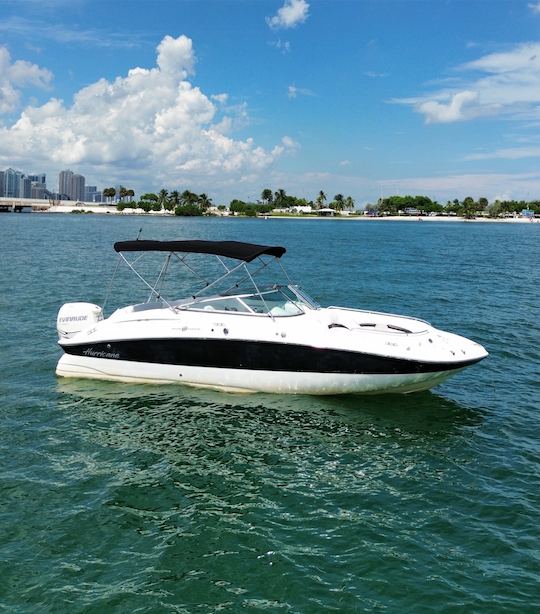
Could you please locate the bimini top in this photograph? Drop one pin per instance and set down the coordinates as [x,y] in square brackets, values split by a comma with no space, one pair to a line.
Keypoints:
[229,249]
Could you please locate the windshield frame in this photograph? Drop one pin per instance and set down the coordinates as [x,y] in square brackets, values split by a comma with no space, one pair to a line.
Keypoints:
[290,305]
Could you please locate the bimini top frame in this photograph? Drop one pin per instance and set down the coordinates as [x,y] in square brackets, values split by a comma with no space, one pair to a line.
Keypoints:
[246,252]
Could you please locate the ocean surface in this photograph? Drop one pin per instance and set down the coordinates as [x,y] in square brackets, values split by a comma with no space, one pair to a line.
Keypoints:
[138,498]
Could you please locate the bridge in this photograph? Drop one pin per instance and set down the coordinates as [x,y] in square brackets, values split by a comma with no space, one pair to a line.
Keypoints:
[17,205]
[23,204]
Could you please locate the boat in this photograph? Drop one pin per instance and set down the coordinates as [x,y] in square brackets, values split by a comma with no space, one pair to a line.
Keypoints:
[244,331]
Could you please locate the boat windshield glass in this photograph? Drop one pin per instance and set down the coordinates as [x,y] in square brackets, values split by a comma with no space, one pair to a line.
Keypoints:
[275,302]
[228,303]
[297,294]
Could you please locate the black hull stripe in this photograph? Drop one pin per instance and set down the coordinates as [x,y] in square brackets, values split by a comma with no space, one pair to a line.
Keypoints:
[255,355]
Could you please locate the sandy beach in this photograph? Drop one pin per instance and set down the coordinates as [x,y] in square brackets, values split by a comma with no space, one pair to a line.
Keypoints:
[110,209]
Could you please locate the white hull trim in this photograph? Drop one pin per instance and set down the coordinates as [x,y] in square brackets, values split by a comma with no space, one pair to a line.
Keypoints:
[244,380]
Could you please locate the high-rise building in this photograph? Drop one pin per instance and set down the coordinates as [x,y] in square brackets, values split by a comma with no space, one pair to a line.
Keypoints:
[39,190]
[77,187]
[2,175]
[12,183]
[71,185]
[64,183]
[25,187]
[91,194]
[39,178]
[39,187]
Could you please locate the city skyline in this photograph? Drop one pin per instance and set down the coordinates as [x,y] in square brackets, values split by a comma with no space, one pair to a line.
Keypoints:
[15,183]
[360,97]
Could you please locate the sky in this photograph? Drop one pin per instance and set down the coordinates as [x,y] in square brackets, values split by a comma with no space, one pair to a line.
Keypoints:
[365,98]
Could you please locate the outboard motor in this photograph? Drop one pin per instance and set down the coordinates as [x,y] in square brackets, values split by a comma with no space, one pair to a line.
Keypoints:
[75,317]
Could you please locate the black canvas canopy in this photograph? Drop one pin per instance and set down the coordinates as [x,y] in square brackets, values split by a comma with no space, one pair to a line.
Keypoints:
[228,249]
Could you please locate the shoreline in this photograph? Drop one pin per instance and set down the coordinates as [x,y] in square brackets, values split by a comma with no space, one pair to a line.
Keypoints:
[111,210]
[403,218]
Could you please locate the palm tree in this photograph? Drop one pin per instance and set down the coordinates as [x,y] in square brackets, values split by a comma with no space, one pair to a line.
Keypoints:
[279,197]
[188,198]
[174,197]
[349,203]
[469,207]
[173,201]
[162,197]
[130,194]
[320,200]
[266,195]
[338,202]
[109,193]
[122,192]
[204,202]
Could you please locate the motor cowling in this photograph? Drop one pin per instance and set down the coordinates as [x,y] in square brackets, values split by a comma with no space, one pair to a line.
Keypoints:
[75,317]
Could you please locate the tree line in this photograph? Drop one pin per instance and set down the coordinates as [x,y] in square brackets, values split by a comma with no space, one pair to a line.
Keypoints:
[192,204]
[270,200]
[467,208]
[186,203]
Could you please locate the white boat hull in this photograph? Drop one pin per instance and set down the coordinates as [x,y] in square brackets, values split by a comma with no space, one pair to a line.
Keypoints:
[246,380]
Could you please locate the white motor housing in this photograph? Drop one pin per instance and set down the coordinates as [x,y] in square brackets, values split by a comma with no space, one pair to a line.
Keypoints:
[75,317]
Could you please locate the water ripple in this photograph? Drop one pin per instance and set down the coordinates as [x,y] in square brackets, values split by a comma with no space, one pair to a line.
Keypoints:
[166,499]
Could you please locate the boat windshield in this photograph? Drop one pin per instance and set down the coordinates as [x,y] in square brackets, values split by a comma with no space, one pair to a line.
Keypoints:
[278,301]
[274,302]
[298,294]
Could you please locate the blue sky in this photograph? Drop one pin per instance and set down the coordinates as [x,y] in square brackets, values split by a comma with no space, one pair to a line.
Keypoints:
[231,96]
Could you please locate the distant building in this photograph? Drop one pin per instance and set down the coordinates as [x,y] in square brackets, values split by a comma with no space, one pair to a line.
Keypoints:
[71,185]
[39,191]
[91,194]
[326,212]
[77,187]
[2,174]
[411,211]
[302,209]
[40,178]
[12,183]
[25,187]
[64,182]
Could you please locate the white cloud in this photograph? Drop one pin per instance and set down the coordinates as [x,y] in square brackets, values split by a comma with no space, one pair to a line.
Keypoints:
[524,57]
[175,56]
[508,86]
[289,143]
[221,98]
[291,14]
[453,110]
[535,8]
[35,29]
[507,153]
[283,46]
[14,76]
[150,128]
[294,92]
[375,75]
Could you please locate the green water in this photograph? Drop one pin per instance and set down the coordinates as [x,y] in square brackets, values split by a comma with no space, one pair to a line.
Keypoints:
[124,498]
